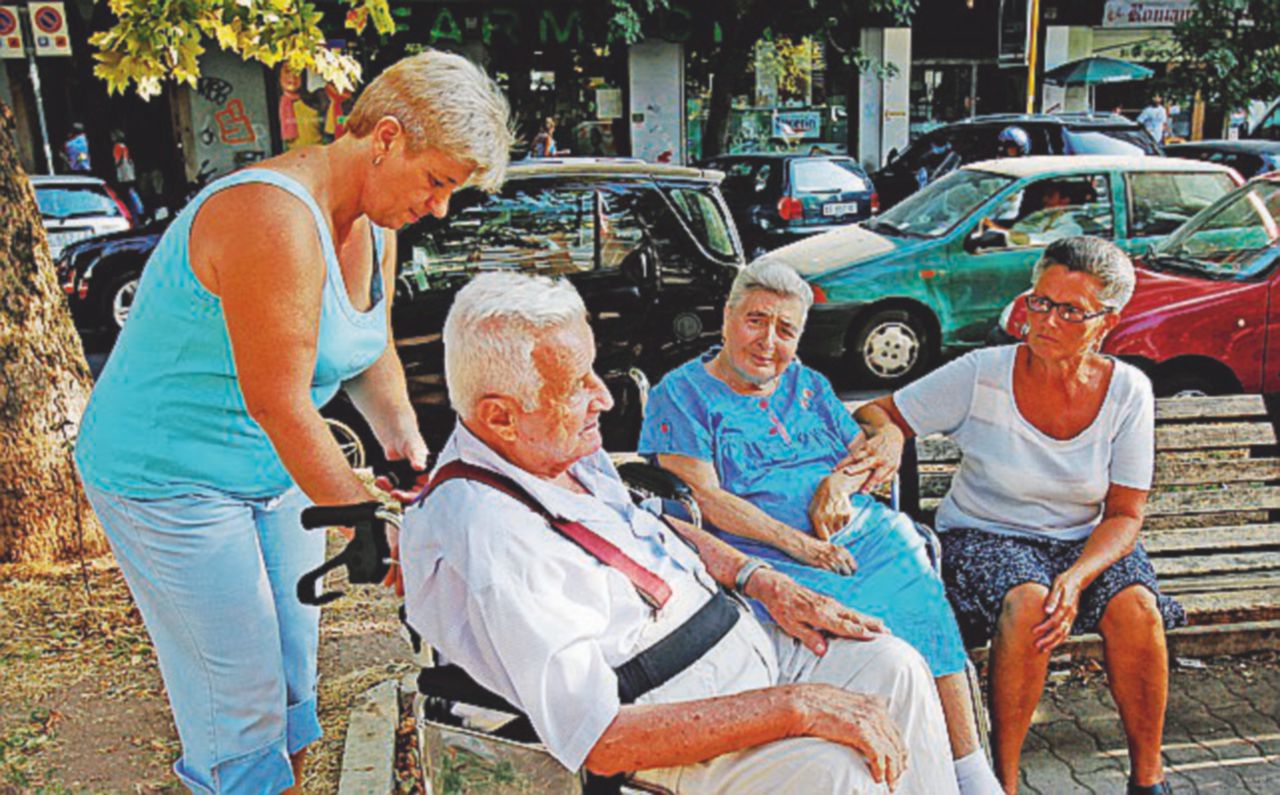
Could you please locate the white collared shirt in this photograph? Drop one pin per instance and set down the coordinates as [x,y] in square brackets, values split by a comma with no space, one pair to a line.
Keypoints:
[535,619]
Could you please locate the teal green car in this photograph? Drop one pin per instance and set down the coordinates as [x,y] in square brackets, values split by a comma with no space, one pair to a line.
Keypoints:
[930,277]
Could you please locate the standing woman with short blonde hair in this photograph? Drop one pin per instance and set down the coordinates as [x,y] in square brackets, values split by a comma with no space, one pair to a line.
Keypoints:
[203,439]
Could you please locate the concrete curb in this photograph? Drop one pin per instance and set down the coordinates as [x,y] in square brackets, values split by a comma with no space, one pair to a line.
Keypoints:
[368,757]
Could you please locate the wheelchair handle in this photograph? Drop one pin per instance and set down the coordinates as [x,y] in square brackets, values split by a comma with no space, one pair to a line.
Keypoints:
[366,557]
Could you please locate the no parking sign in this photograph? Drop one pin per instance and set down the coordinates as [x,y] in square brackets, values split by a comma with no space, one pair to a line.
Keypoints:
[49,25]
[10,33]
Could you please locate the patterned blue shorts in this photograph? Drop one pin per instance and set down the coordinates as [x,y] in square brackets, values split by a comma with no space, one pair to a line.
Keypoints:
[981,567]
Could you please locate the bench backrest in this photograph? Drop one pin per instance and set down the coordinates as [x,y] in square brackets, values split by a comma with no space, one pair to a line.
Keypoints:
[1210,527]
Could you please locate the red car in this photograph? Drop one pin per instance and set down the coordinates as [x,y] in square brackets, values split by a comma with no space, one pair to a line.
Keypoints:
[1205,317]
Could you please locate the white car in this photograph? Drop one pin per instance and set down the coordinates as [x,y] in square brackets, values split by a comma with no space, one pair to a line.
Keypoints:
[75,207]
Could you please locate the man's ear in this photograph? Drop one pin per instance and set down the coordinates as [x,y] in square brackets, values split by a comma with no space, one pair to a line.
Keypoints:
[385,132]
[497,414]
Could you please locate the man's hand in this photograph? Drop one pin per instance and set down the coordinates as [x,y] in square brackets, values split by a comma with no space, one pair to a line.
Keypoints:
[830,509]
[877,458]
[807,616]
[820,554]
[858,721]
[1060,607]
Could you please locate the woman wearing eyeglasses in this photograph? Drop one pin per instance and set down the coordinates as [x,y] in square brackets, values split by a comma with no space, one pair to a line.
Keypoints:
[1040,527]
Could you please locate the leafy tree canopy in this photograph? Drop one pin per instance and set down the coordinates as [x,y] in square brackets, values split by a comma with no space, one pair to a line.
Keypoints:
[1228,50]
[154,41]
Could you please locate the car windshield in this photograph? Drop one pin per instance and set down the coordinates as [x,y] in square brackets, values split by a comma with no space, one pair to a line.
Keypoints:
[702,214]
[75,201]
[939,207]
[1235,238]
[827,176]
[1111,141]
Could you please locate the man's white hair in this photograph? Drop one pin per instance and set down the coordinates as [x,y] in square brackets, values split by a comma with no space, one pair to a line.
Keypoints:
[773,275]
[490,333]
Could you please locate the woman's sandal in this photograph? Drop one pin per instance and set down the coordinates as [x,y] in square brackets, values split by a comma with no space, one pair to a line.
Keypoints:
[1159,788]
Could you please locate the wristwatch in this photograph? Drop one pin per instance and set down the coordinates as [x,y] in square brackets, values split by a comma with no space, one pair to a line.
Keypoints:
[745,571]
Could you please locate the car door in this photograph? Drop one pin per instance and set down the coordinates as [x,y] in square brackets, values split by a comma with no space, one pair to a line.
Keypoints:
[1158,202]
[987,271]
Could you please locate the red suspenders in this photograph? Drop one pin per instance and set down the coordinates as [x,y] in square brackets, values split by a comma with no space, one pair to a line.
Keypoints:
[652,589]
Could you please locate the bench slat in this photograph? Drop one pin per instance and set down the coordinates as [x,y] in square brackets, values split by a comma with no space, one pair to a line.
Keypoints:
[1208,500]
[1229,563]
[1186,539]
[1210,437]
[1183,472]
[1219,407]
[1220,583]
[1256,604]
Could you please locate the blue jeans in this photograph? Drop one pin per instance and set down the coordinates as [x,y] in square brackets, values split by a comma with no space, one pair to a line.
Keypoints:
[215,579]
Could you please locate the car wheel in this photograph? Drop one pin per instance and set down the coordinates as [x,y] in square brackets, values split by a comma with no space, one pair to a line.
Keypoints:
[119,300]
[349,442]
[1185,384]
[889,347]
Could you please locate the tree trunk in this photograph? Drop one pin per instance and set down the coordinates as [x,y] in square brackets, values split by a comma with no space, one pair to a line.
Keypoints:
[44,384]
[735,55]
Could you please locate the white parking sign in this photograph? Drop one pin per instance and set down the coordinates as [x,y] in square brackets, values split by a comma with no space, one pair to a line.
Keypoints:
[10,33]
[49,26]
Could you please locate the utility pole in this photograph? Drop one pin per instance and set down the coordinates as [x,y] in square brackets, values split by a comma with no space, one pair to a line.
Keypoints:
[1032,54]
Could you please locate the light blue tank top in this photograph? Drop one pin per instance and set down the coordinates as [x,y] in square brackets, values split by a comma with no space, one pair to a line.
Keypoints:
[167,416]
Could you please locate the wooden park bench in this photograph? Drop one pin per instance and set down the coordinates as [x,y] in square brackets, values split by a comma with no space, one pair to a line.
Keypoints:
[1211,528]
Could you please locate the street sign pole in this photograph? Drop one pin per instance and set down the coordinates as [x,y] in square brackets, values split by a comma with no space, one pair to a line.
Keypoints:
[25,21]
[1033,30]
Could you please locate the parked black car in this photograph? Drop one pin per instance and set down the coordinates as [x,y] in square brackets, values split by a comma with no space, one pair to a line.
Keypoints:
[940,151]
[652,249]
[778,199]
[100,275]
[1249,157]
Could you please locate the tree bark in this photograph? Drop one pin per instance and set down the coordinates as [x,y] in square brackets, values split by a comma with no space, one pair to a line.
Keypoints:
[740,38]
[44,385]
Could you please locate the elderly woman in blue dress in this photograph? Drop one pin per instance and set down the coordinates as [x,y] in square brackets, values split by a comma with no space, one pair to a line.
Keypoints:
[767,448]
[1040,527]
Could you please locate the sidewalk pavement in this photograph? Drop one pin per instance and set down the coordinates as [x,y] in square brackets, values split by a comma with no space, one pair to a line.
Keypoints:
[1222,733]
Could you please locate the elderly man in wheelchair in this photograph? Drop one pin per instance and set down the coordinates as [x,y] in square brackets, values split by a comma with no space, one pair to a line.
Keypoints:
[621,637]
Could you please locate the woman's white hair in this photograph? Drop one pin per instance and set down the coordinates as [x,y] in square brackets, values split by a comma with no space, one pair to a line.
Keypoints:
[445,102]
[490,333]
[773,275]
[1099,258]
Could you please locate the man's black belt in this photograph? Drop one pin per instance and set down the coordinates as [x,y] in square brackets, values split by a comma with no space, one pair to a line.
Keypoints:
[662,661]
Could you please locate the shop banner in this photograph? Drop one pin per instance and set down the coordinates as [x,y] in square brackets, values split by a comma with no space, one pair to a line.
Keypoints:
[1146,14]
[10,33]
[802,124]
[49,26]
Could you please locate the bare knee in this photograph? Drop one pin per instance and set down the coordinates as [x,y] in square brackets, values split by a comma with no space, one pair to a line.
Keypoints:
[1132,614]
[1023,607]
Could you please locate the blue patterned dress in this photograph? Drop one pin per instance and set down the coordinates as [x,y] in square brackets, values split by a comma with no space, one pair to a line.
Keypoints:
[774,452]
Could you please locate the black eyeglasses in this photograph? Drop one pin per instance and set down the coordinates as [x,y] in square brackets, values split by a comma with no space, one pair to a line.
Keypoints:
[1067,312]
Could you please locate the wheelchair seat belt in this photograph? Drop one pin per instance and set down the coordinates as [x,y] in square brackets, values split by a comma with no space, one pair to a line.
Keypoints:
[663,660]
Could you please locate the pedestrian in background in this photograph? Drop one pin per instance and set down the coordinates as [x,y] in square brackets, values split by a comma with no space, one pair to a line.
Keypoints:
[203,440]
[126,174]
[75,150]
[1155,119]
[544,143]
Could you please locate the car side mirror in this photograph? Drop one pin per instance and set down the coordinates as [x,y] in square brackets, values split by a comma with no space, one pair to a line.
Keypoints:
[984,239]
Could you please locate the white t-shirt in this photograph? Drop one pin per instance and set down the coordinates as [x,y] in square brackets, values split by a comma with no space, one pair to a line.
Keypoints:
[1014,478]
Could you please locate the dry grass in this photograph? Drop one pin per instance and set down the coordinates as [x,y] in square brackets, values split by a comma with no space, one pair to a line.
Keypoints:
[83,707]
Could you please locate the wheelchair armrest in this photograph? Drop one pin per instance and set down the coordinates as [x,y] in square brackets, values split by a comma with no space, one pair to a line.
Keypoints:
[451,683]
[653,479]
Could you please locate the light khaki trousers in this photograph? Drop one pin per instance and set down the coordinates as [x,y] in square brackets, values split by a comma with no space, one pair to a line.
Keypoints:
[887,667]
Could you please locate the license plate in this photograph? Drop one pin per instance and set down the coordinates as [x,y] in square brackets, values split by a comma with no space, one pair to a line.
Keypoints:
[842,208]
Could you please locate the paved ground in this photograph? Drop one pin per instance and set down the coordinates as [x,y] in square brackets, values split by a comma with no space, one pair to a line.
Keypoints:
[1222,734]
